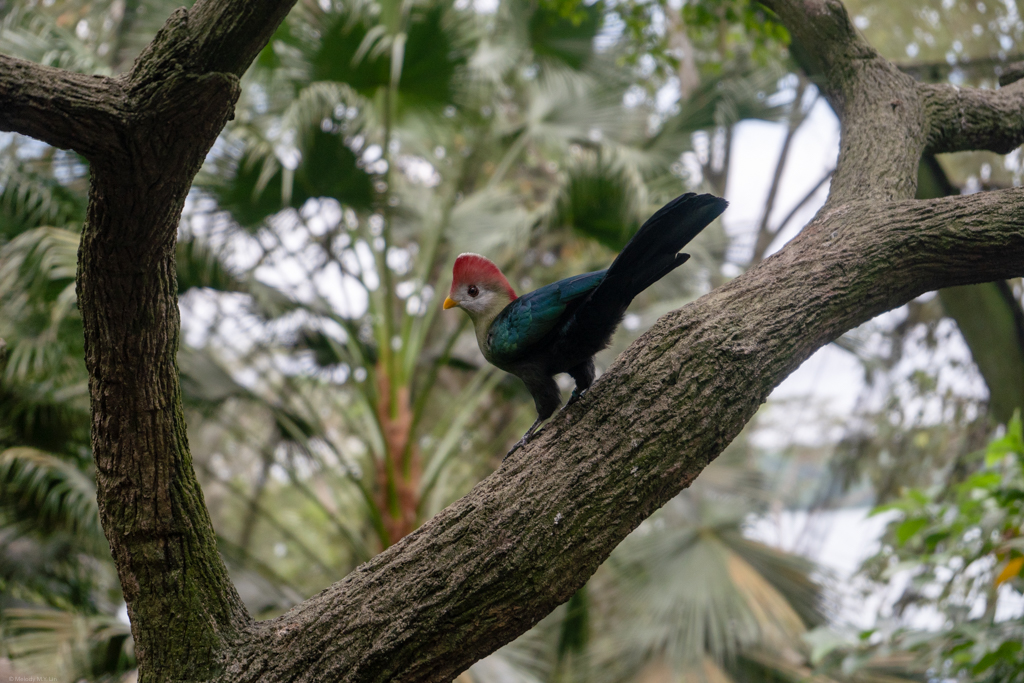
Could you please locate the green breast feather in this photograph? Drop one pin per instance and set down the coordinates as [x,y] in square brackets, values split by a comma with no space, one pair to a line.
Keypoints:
[528,319]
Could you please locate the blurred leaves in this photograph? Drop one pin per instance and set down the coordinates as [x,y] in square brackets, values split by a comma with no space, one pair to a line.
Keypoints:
[89,646]
[601,201]
[50,494]
[565,33]
[961,545]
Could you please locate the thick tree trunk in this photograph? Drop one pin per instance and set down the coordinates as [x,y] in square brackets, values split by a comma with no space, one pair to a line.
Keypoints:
[146,134]
[526,538]
[182,606]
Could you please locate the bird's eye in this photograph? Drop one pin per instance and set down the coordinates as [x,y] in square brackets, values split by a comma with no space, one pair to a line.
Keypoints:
[472,290]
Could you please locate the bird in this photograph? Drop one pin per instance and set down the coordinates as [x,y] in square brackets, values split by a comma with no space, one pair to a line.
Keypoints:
[559,327]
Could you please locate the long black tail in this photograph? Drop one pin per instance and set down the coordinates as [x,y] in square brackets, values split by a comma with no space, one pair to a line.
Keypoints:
[651,255]
[654,250]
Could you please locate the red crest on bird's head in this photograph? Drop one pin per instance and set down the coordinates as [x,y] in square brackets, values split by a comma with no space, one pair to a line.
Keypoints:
[476,269]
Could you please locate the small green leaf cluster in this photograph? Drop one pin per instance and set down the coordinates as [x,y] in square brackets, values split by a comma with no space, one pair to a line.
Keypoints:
[757,25]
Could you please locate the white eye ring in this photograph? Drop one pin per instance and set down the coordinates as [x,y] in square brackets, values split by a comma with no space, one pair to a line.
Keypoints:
[472,291]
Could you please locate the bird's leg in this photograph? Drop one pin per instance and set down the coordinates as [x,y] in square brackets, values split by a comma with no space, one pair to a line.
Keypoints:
[546,397]
[583,374]
[526,438]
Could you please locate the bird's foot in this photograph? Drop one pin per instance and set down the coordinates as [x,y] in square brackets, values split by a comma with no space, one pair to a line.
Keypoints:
[527,437]
[576,395]
[519,444]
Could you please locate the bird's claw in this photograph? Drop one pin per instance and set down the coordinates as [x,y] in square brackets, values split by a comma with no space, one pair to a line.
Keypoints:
[576,395]
[519,444]
[527,437]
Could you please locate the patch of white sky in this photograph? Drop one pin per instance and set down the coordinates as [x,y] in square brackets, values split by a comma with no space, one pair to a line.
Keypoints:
[832,379]
[816,404]
[284,255]
[839,541]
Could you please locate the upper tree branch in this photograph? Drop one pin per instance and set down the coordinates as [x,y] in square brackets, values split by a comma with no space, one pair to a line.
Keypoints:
[827,41]
[61,108]
[888,119]
[971,118]
[214,36]
[230,34]
[93,114]
[883,131]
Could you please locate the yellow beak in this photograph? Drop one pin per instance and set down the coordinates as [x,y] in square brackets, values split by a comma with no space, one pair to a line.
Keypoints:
[450,303]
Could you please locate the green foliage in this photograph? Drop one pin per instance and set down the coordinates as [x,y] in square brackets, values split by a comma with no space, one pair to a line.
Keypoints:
[759,25]
[576,625]
[92,647]
[716,35]
[565,31]
[307,156]
[427,56]
[198,265]
[30,195]
[602,201]
[49,492]
[962,541]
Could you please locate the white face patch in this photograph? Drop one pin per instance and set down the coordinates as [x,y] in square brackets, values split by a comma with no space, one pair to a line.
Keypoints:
[481,303]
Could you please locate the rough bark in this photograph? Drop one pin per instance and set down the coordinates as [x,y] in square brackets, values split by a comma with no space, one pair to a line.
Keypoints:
[526,538]
[967,118]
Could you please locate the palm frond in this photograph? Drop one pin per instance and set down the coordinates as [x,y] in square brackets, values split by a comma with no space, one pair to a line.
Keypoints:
[38,309]
[44,493]
[200,265]
[726,604]
[600,200]
[507,222]
[67,645]
[356,48]
[564,40]
[31,197]
[311,149]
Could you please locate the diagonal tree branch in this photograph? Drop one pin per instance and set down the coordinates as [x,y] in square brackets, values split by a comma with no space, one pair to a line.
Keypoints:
[525,539]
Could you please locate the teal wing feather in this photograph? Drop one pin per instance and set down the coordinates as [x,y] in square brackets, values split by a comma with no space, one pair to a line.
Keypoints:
[528,319]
